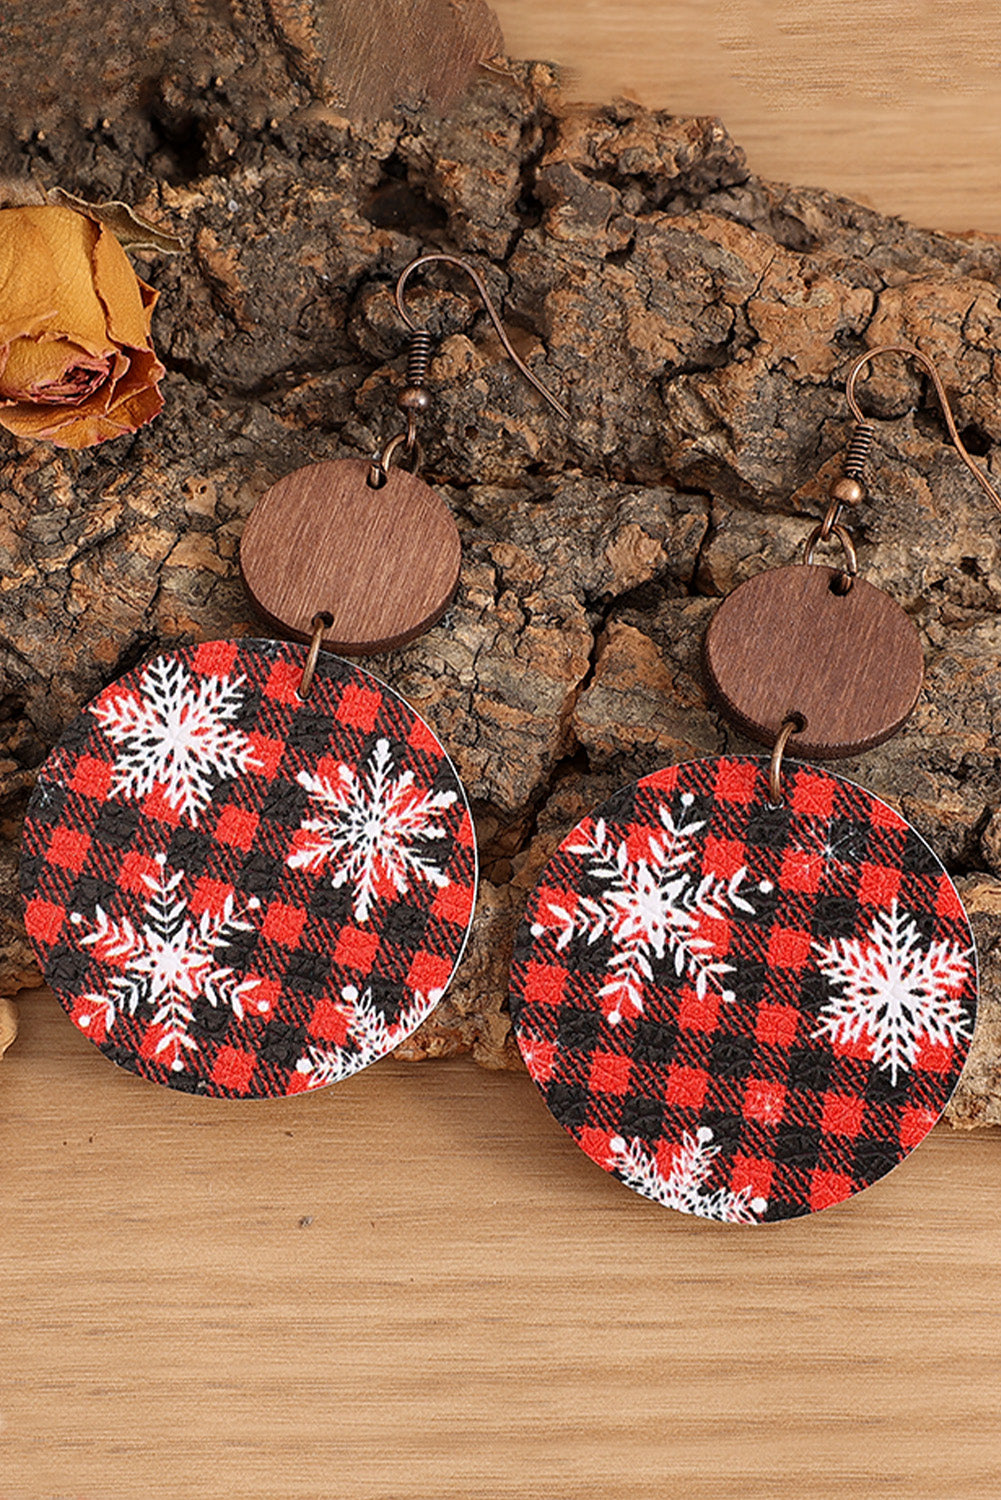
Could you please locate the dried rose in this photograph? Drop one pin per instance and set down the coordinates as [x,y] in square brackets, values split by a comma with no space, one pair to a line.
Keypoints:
[76,363]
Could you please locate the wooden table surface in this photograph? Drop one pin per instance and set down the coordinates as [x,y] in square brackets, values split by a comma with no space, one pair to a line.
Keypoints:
[896,102]
[414,1285]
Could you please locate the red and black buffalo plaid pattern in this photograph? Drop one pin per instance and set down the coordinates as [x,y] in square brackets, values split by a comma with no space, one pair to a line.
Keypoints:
[162,891]
[746,1011]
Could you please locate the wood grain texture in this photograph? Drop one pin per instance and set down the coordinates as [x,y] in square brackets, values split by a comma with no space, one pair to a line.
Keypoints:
[384,563]
[786,643]
[414,1285]
[894,102]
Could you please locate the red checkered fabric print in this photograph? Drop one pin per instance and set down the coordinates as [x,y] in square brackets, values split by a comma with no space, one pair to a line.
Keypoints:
[237,892]
[742,1011]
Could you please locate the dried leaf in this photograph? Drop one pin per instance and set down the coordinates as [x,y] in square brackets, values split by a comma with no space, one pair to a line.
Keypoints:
[131,230]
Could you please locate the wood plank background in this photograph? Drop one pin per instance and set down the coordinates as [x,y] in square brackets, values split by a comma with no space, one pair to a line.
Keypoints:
[414,1285]
[895,102]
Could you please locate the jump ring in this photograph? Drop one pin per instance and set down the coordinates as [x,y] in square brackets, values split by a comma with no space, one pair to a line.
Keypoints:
[320,623]
[847,546]
[791,724]
[379,472]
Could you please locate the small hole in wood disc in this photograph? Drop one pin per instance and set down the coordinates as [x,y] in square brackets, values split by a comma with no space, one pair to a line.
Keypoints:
[850,663]
[383,562]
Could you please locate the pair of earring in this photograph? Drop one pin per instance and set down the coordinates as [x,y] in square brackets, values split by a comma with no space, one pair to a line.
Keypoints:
[250,867]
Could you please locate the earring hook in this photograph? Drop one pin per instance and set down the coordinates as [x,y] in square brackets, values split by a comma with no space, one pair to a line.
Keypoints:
[926,364]
[477,280]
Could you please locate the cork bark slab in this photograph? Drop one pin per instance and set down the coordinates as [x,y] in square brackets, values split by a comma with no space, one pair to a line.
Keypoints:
[786,643]
[382,562]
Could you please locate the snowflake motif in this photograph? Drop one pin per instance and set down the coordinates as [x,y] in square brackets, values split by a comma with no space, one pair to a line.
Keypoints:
[167,964]
[173,733]
[684,1186]
[370,1036]
[652,909]
[896,994]
[369,831]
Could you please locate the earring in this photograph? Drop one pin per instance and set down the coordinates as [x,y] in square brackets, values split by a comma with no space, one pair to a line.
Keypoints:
[746,987]
[249,866]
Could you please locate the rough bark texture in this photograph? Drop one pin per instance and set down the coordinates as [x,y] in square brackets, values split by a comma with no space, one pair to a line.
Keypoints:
[181,82]
[697,321]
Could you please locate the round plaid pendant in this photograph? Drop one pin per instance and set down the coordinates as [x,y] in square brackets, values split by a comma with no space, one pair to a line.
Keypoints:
[744,1011]
[236,891]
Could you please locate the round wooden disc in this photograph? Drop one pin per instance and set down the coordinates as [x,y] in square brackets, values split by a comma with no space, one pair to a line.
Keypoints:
[784,642]
[384,563]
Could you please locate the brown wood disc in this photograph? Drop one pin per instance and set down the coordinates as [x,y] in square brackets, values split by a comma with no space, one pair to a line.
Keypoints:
[384,563]
[785,642]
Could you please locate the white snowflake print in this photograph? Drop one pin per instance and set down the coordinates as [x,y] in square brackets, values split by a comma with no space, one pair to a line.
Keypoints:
[369,1034]
[684,1186]
[369,831]
[895,993]
[174,733]
[167,964]
[653,908]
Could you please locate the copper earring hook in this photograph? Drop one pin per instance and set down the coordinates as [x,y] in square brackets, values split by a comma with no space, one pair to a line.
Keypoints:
[484,295]
[926,364]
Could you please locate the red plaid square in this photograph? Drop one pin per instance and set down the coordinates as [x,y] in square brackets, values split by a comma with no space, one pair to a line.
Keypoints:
[915,1124]
[356,948]
[609,1073]
[686,1086]
[92,777]
[789,947]
[267,753]
[234,1069]
[359,707]
[157,807]
[878,885]
[725,856]
[428,972]
[545,984]
[329,1021]
[211,896]
[283,923]
[539,1057]
[828,1188]
[237,827]
[453,903]
[842,1114]
[755,1173]
[137,870]
[764,1100]
[283,681]
[697,1013]
[215,658]
[422,739]
[812,795]
[801,871]
[68,848]
[776,1025]
[883,816]
[737,781]
[43,920]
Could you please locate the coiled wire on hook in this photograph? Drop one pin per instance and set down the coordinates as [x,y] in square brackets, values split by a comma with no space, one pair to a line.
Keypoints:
[859,448]
[419,357]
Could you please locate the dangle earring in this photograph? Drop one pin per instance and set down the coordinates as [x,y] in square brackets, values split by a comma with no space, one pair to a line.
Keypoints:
[747,987]
[249,866]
